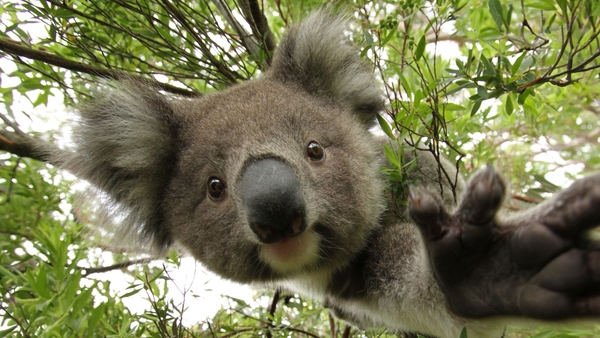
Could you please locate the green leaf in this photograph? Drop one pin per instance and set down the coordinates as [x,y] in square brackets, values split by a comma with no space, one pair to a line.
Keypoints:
[595,9]
[550,22]
[526,78]
[524,95]
[370,43]
[454,107]
[508,17]
[420,48]
[5,272]
[517,65]
[528,62]
[365,50]
[63,13]
[4,333]
[547,5]
[368,37]
[406,85]
[509,105]
[97,314]
[239,302]
[496,12]
[463,333]
[460,86]
[42,284]
[489,67]
[418,98]
[475,108]
[563,5]
[482,92]
[83,299]
[460,64]
[391,156]
[385,126]
[389,36]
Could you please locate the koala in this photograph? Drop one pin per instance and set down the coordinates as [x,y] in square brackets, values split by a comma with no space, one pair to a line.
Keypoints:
[277,182]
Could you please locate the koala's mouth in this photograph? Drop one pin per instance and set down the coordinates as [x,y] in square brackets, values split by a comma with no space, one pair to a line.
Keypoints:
[287,248]
[291,254]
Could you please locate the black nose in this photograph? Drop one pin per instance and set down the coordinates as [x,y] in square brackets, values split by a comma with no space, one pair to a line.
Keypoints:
[273,200]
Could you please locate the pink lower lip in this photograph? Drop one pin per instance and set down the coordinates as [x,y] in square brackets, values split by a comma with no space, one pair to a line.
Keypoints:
[286,248]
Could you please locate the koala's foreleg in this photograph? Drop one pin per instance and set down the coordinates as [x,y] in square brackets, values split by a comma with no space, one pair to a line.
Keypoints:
[536,263]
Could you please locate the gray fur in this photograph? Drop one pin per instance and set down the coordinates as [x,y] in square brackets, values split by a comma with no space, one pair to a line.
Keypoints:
[152,156]
[316,57]
[125,145]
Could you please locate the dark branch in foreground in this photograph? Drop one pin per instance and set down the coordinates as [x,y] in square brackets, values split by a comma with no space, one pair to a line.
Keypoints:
[246,38]
[259,25]
[16,48]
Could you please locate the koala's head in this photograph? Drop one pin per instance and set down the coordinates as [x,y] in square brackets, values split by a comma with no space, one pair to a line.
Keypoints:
[269,179]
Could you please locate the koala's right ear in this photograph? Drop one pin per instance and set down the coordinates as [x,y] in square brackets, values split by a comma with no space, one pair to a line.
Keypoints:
[124,145]
[317,56]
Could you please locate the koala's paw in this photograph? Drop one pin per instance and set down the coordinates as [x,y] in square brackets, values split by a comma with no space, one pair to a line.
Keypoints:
[537,264]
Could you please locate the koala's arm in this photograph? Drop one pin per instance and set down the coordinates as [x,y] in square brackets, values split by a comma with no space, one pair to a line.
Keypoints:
[391,284]
[539,263]
[469,266]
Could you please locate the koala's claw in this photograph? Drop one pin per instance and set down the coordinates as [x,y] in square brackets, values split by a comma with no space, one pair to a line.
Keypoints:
[575,209]
[427,211]
[534,264]
[483,197]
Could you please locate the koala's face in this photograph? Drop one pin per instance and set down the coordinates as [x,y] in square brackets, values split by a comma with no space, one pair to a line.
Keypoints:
[271,182]
[267,180]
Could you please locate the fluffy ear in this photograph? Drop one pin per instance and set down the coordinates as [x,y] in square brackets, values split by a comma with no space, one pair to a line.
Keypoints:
[317,56]
[124,143]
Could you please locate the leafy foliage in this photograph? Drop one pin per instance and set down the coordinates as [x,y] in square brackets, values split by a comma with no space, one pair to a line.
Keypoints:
[514,83]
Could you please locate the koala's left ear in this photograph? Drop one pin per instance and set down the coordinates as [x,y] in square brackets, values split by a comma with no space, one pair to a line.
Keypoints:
[124,145]
[317,56]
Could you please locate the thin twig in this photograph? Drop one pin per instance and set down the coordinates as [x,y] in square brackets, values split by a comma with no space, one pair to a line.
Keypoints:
[118,266]
[332,325]
[347,331]
[16,320]
[221,67]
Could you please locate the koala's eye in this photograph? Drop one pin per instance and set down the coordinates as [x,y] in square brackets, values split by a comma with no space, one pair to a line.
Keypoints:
[216,188]
[315,152]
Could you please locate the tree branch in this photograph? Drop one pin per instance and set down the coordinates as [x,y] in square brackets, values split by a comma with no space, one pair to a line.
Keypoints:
[118,266]
[262,25]
[25,146]
[347,331]
[259,25]
[246,38]
[579,68]
[16,48]
[272,309]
